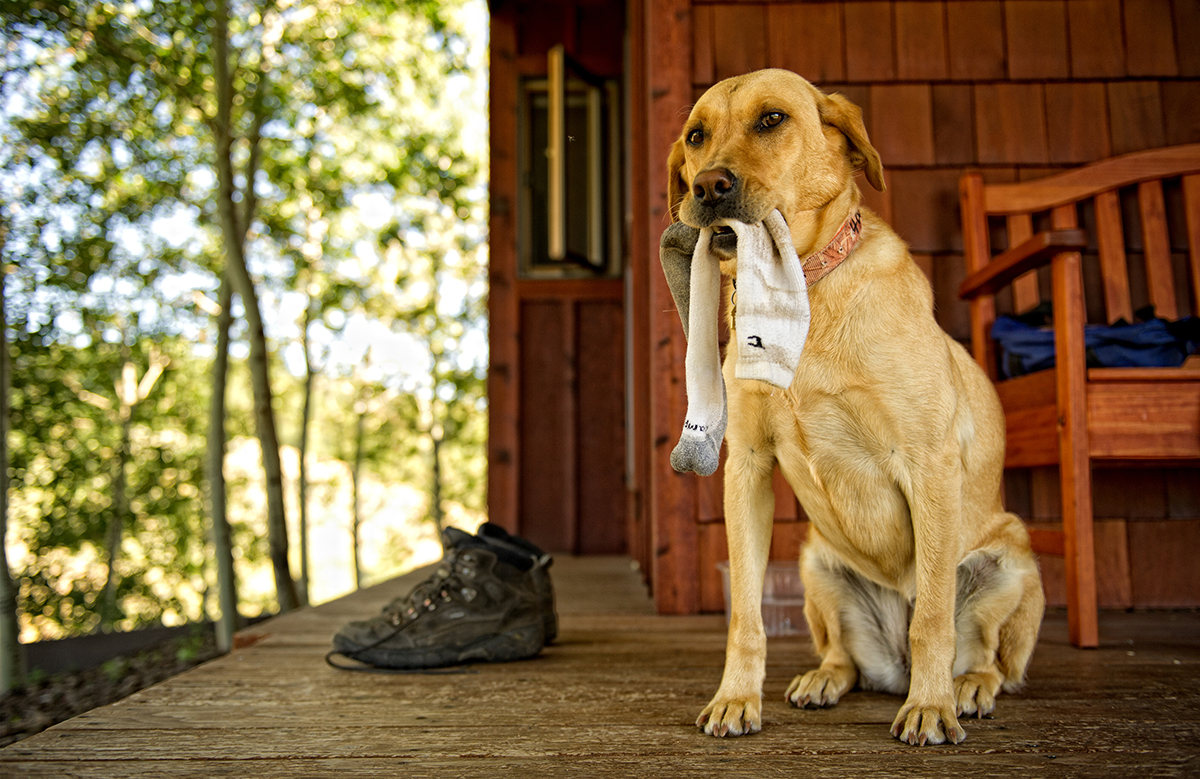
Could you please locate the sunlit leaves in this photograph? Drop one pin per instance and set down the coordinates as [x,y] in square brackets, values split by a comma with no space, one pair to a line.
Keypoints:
[63,447]
[107,186]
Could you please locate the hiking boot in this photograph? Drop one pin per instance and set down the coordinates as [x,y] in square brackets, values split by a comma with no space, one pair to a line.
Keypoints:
[483,603]
[501,540]
[498,536]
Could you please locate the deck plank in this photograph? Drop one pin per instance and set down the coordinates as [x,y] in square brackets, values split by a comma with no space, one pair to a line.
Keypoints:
[616,696]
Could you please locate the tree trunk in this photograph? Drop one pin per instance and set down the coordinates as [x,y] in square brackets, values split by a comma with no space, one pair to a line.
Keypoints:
[11,657]
[227,597]
[306,415]
[360,409]
[437,411]
[435,489]
[120,515]
[264,415]
[234,227]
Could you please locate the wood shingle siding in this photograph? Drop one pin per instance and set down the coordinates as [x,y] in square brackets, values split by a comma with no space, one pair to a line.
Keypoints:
[1018,89]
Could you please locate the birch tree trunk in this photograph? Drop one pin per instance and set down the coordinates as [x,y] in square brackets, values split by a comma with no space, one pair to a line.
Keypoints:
[129,392]
[234,228]
[227,596]
[361,408]
[306,415]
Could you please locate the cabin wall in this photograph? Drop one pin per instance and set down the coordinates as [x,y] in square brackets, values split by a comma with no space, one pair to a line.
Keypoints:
[1016,88]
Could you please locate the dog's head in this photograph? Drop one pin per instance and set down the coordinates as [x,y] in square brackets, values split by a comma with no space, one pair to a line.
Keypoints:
[766,140]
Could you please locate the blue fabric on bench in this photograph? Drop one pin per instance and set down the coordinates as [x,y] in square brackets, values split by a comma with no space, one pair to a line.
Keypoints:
[1156,343]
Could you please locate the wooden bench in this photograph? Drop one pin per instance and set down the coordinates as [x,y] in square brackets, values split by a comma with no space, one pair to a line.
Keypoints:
[1072,415]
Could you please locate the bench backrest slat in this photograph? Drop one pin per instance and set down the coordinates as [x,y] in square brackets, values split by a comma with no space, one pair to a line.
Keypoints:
[1110,240]
[1156,246]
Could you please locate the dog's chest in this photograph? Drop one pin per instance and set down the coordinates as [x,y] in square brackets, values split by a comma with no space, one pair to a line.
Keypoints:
[842,469]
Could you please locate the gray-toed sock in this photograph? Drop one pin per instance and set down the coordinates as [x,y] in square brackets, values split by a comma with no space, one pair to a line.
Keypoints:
[699,445]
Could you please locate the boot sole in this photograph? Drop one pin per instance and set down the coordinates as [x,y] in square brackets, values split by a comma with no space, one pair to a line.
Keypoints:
[516,644]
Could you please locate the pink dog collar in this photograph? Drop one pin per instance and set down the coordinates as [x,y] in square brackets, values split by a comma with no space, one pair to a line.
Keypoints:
[820,264]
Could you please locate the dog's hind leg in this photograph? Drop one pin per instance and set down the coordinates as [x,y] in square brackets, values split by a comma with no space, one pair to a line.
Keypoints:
[998,610]
[859,628]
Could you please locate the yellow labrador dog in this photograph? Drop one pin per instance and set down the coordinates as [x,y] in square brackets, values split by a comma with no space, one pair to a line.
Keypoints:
[916,579]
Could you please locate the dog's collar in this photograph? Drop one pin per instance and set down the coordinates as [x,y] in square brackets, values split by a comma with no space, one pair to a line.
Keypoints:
[820,264]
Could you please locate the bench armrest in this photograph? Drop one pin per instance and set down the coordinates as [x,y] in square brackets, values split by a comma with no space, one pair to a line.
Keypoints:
[1033,253]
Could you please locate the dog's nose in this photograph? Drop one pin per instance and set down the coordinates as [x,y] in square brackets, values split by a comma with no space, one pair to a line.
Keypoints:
[712,185]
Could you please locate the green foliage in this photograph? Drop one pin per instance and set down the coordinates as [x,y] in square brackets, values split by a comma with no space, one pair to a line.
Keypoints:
[370,204]
[191,648]
[63,455]
[116,668]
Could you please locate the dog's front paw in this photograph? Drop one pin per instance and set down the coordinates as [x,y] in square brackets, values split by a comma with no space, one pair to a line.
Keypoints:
[920,725]
[822,687]
[731,717]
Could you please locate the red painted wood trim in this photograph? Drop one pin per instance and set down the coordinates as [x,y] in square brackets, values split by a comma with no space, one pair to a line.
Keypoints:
[672,497]
[977,255]
[1049,542]
[570,289]
[504,361]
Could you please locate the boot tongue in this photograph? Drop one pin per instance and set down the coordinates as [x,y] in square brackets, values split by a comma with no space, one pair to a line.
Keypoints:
[453,538]
[494,533]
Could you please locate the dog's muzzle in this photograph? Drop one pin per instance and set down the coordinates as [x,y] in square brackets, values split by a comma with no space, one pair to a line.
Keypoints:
[724,239]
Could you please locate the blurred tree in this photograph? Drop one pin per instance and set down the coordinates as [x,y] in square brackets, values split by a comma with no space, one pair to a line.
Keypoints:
[154,150]
[110,206]
[438,302]
[236,211]
[65,446]
[377,169]
[218,524]
[310,378]
[11,656]
[362,406]
[128,392]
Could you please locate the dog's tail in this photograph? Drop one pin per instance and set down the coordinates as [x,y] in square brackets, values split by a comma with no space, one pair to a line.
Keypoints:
[875,629]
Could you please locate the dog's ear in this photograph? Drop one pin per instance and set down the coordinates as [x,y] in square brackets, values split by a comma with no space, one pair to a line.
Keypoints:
[677,188]
[839,112]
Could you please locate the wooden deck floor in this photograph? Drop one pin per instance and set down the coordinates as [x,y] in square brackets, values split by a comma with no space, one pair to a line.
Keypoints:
[616,696]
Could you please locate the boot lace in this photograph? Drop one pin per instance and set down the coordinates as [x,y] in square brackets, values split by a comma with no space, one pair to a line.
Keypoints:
[453,580]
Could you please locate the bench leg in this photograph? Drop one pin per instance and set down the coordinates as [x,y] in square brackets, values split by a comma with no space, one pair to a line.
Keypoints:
[1075,467]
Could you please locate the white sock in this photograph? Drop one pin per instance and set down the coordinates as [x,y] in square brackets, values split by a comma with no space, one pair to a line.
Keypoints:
[772,315]
[771,321]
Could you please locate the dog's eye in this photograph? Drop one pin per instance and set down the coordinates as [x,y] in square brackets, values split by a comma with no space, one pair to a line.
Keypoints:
[770,119]
[695,137]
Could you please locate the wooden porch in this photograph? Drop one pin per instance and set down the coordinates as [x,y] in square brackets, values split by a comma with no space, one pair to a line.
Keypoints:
[617,696]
